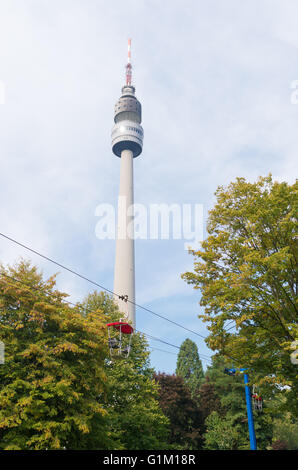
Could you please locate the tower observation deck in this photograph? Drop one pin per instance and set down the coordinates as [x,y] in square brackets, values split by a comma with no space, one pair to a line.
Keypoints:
[127,143]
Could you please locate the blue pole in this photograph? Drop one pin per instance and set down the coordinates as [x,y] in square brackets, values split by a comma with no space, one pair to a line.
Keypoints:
[251,427]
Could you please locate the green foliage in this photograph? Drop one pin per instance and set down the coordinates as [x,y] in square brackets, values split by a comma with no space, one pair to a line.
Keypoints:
[135,418]
[220,434]
[286,431]
[53,371]
[59,388]
[232,413]
[246,272]
[189,366]
[136,421]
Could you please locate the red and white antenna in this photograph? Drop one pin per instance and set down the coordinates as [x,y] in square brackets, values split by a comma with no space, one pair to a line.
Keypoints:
[128,66]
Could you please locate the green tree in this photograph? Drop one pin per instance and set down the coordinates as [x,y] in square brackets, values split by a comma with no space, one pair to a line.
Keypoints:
[232,412]
[285,429]
[189,366]
[246,272]
[220,433]
[53,371]
[135,419]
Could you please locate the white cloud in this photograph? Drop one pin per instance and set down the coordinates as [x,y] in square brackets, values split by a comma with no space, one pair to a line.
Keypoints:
[214,81]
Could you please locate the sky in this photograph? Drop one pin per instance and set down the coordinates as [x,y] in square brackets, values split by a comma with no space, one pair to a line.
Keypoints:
[214,79]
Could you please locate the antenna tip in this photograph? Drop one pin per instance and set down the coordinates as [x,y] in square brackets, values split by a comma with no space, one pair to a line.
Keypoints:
[128,66]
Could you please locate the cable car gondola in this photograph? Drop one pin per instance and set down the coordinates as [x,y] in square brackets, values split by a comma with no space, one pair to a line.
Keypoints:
[116,345]
[257,401]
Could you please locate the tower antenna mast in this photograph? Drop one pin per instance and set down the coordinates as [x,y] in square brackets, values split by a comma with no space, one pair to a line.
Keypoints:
[128,65]
[127,144]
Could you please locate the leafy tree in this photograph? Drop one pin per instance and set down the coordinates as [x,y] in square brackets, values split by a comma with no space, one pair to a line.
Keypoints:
[285,432]
[232,411]
[53,371]
[208,399]
[220,433]
[135,419]
[279,445]
[189,366]
[230,414]
[246,272]
[177,404]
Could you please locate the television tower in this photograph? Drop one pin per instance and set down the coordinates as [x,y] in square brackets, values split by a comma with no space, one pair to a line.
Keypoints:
[127,143]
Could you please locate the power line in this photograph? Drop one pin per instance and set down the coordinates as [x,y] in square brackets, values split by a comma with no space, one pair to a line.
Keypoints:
[56,262]
[234,326]
[175,354]
[203,356]
[170,344]
[162,350]
[205,359]
[158,339]
[98,285]
[142,332]
[229,323]
[30,287]
[110,291]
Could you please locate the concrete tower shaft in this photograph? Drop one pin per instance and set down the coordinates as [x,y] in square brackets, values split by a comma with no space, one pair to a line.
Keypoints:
[124,274]
[127,143]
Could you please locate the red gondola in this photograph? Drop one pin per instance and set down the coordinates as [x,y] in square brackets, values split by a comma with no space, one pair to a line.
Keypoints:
[257,401]
[117,348]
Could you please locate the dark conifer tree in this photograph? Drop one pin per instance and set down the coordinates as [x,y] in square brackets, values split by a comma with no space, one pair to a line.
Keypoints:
[189,366]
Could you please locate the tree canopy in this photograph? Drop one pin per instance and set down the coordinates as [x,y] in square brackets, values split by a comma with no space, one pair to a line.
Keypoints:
[227,423]
[177,404]
[189,365]
[247,274]
[60,388]
[135,418]
[48,395]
